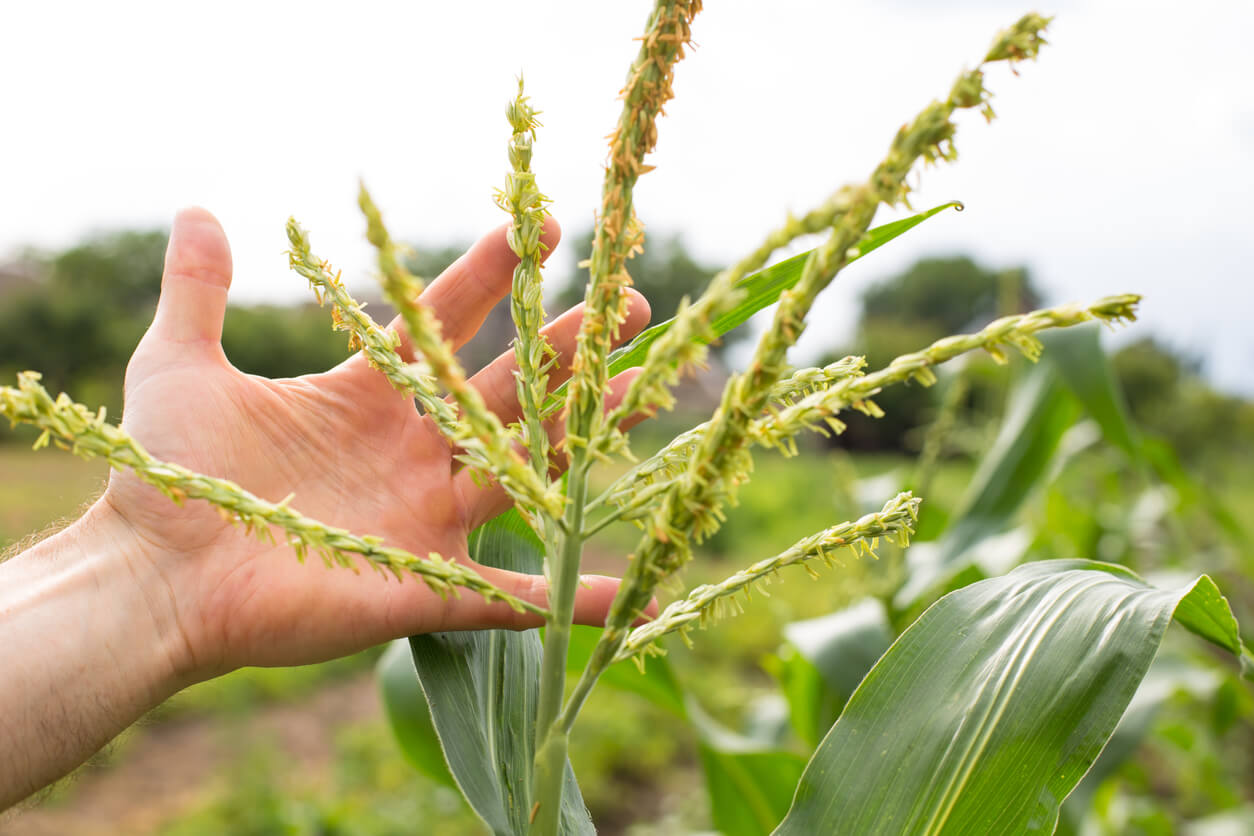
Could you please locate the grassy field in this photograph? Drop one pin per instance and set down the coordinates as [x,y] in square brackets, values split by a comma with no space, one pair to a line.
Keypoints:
[40,489]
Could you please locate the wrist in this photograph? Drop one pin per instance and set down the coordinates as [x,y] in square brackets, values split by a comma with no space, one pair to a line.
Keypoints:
[99,581]
[92,642]
[142,572]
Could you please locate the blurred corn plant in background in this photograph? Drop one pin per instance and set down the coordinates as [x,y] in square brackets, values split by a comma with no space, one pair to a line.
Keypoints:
[972,697]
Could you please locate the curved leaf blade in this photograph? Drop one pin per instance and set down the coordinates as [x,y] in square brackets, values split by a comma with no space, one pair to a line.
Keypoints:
[844,645]
[750,784]
[408,715]
[823,661]
[762,289]
[482,687]
[1196,494]
[988,710]
[749,791]
[1039,412]
[812,706]
[1077,356]
[1167,677]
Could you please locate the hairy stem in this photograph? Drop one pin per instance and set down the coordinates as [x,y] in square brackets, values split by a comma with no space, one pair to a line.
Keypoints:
[551,743]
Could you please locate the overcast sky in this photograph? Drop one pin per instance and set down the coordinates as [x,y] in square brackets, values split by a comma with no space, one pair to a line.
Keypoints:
[1122,161]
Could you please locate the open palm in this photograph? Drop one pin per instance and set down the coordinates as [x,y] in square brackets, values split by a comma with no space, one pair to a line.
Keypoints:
[353,452]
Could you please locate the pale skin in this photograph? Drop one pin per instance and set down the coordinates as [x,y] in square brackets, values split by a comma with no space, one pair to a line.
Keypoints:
[140,598]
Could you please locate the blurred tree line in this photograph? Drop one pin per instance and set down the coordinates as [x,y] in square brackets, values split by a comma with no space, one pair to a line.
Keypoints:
[1165,390]
[933,298]
[76,315]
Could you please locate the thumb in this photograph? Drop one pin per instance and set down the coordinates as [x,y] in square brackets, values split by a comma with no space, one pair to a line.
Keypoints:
[195,281]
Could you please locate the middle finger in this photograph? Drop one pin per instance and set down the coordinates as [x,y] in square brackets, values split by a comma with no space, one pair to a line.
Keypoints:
[496,381]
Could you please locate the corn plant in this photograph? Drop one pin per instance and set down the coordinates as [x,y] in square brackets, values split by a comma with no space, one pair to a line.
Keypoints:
[1035,667]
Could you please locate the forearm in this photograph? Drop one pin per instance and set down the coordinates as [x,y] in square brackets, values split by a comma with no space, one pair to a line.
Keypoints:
[88,643]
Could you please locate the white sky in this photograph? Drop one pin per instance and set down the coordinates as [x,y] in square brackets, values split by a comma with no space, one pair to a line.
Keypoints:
[1123,160]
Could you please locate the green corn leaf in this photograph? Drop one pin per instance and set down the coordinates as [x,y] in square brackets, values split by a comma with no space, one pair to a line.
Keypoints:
[844,645]
[989,710]
[749,791]
[1194,493]
[408,714]
[812,706]
[823,661]
[1039,412]
[762,289]
[1167,677]
[482,687]
[1076,355]
[750,783]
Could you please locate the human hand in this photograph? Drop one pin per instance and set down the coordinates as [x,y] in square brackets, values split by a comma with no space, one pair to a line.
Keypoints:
[355,453]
